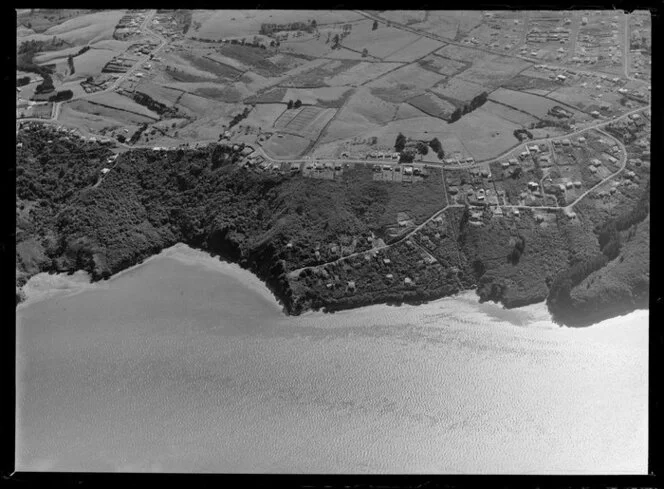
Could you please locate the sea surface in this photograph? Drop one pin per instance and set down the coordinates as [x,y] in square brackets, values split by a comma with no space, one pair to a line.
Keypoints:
[187,364]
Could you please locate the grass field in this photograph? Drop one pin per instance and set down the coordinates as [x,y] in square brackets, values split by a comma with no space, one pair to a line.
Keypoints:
[119,115]
[264,115]
[448,23]
[314,96]
[87,120]
[287,62]
[577,97]
[307,121]
[373,109]
[457,89]
[91,62]
[533,104]
[414,50]
[485,135]
[432,105]
[360,73]
[461,53]
[492,71]
[43,19]
[381,43]
[87,28]
[508,113]
[287,146]
[441,65]
[317,74]
[54,56]
[525,81]
[216,68]
[406,82]
[223,93]
[272,95]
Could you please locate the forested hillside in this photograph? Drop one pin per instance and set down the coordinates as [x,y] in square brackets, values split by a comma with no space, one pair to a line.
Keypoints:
[308,239]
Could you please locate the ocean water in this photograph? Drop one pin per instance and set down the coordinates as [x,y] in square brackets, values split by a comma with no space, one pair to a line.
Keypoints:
[186,364]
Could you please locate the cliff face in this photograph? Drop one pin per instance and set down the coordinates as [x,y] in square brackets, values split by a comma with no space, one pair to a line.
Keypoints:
[296,233]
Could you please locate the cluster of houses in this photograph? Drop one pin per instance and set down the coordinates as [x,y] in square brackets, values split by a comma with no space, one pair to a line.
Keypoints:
[380,155]
[129,25]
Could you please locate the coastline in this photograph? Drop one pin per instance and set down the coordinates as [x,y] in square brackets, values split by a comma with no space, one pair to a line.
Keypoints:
[43,286]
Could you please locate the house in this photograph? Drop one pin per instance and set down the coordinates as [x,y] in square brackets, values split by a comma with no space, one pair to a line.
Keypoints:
[408,281]
[595,114]
[582,140]
[105,170]
[533,185]
[577,184]
[505,164]
[566,142]
[513,161]
[470,160]
[569,185]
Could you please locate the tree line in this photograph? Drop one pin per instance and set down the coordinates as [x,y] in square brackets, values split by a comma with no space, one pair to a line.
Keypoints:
[464,109]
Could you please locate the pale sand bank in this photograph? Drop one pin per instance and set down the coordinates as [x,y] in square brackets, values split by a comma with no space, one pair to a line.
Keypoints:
[463,305]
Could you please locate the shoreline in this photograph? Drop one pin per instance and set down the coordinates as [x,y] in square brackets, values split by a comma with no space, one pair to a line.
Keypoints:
[44,286]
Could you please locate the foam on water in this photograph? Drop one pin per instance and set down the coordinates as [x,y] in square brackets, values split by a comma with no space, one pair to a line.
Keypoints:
[187,364]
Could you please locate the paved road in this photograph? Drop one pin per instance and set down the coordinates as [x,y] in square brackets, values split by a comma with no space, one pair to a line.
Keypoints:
[378,248]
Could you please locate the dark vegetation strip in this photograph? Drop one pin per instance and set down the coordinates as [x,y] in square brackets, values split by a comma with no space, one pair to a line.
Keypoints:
[122,110]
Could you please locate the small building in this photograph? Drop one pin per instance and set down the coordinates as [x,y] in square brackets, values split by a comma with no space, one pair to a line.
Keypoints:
[595,114]
[566,142]
[513,161]
[105,170]
[569,185]
[577,184]
[582,140]
[408,281]
[505,164]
